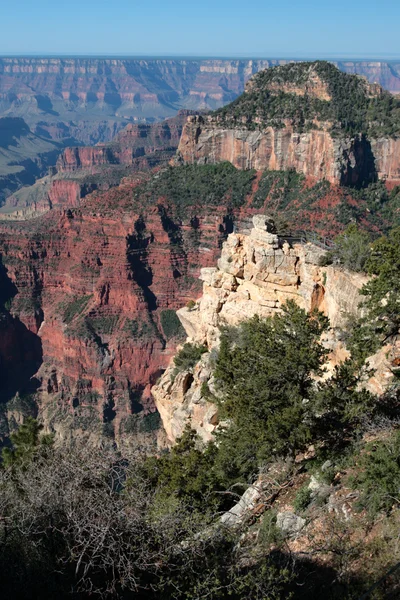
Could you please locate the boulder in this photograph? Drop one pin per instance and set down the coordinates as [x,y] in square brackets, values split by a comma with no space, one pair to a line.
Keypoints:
[246,503]
[289,523]
[264,223]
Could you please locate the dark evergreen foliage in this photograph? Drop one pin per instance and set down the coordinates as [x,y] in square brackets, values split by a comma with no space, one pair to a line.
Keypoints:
[192,186]
[352,108]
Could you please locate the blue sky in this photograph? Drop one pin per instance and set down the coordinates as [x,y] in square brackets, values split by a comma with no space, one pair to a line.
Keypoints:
[280,28]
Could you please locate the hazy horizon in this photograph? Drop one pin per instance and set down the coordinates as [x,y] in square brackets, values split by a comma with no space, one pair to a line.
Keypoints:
[167,56]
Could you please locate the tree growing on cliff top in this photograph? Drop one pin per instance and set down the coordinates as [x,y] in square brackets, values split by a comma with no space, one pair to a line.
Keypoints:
[352,249]
[382,292]
[265,372]
[381,321]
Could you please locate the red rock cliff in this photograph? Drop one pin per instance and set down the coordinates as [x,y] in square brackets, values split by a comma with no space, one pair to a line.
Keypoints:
[128,147]
[90,287]
[315,153]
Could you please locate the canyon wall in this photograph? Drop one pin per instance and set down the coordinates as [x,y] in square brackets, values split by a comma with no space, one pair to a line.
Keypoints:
[92,288]
[133,143]
[257,273]
[24,155]
[86,101]
[89,99]
[386,152]
[315,153]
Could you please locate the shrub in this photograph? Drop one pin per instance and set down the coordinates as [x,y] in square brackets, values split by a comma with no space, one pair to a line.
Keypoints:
[25,443]
[198,186]
[339,405]
[302,499]
[75,307]
[171,325]
[352,249]
[379,476]
[265,372]
[187,472]
[188,356]
[382,292]
[103,325]
[381,319]
[190,304]
[269,533]
[150,422]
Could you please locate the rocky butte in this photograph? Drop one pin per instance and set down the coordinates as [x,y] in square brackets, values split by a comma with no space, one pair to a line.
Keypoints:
[85,101]
[89,99]
[303,116]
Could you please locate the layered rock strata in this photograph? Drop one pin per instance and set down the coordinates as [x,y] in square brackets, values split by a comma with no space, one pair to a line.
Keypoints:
[134,142]
[315,153]
[82,169]
[84,311]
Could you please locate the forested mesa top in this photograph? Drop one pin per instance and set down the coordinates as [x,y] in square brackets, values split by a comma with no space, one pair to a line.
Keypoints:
[314,95]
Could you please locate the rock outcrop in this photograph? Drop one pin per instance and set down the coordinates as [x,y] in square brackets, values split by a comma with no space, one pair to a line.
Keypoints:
[256,274]
[58,94]
[315,153]
[386,152]
[315,132]
[77,101]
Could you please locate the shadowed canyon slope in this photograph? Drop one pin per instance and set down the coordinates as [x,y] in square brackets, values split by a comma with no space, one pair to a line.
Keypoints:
[82,169]
[24,155]
[95,288]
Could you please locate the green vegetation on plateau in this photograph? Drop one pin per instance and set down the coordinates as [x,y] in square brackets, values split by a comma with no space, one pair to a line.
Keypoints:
[171,325]
[198,186]
[321,208]
[190,190]
[352,109]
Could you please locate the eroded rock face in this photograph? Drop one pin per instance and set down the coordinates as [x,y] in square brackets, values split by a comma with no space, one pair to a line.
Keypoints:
[256,274]
[289,523]
[314,153]
[129,147]
[387,157]
[88,100]
[204,140]
[88,286]
[81,170]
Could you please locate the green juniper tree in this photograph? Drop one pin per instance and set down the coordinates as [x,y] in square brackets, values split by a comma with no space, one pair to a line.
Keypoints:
[25,442]
[265,373]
